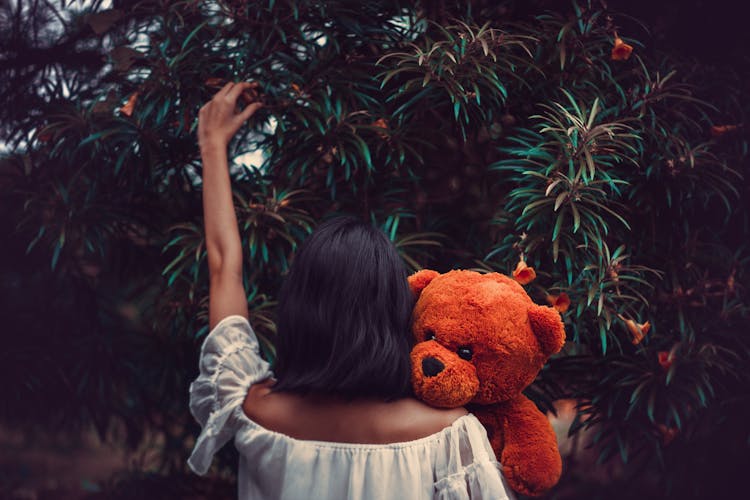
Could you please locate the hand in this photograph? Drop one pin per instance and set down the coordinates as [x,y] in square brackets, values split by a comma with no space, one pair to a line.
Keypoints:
[218,121]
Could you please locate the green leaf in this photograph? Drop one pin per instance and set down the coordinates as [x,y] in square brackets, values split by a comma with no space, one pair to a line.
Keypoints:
[637,391]
[555,249]
[576,217]
[57,249]
[558,225]
[36,239]
[651,405]
[701,395]
[592,115]
[560,199]
[192,34]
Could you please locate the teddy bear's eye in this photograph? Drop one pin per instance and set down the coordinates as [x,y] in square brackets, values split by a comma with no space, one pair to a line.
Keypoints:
[429,335]
[464,352]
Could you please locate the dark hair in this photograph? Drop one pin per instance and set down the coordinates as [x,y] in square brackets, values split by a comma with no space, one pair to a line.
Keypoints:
[344,315]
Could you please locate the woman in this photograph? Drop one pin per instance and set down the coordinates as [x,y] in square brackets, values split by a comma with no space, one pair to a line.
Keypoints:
[336,419]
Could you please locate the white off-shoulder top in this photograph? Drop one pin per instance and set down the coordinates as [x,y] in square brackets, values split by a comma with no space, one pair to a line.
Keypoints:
[455,463]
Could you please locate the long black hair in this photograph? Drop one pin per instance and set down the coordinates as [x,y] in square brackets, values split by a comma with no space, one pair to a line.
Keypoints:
[344,315]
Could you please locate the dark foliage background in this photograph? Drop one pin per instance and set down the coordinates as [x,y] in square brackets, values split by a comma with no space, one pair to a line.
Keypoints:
[474,133]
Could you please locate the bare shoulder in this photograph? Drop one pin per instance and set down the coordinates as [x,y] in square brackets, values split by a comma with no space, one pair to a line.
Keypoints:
[411,419]
[364,421]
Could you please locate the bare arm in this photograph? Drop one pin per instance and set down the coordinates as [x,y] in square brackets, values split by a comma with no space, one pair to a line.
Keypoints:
[217,124]
[222,235]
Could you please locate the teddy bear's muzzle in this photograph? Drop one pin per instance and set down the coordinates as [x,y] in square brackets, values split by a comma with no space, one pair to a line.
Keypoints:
[440,377]
[431,366]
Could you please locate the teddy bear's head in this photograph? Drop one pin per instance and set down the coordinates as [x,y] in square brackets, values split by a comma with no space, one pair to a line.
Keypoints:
[479,337]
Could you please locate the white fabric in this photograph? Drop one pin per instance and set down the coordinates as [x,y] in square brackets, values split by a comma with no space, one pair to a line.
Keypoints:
[455,463]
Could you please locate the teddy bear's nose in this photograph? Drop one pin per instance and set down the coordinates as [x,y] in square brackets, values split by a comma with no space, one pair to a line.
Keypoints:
[431,366]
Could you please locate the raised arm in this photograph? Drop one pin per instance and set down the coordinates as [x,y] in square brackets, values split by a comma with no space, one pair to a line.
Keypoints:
[217,124]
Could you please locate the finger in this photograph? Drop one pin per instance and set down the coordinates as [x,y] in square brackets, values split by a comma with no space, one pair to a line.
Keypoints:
[225,89]
[242,88]
[249,111]
[235,92]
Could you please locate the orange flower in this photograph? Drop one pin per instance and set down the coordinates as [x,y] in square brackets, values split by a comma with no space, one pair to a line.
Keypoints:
[638,330]
[523,273]
[127,109]
[621,51]
[296,88]
[328,155]
[667,433]
[665,359]
[215,82]
[719,130]
[381,123]
[560,302]
[43,135]
[731,281]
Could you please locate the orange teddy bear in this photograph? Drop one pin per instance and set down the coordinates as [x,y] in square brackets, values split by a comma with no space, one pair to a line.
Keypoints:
[480,342]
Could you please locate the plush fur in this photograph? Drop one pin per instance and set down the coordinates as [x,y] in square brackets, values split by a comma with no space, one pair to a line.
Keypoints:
[489,319]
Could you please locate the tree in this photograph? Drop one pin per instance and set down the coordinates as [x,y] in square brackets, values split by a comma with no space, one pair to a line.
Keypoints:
[475,135]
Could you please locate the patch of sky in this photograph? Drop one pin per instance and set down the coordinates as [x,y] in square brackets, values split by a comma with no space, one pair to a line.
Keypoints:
[407,25]
[256,158]
[250,160]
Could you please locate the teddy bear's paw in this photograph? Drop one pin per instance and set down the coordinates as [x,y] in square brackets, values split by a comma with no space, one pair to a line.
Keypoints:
[524,485]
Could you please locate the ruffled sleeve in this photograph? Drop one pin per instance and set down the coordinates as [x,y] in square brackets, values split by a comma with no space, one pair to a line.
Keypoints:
[472,471]
[229,363]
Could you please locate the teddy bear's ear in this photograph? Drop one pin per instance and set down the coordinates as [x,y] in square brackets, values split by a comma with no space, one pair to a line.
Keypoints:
[548,328]
[421,279]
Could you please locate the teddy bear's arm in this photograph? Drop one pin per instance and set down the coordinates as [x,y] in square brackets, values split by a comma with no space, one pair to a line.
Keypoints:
[530,458]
